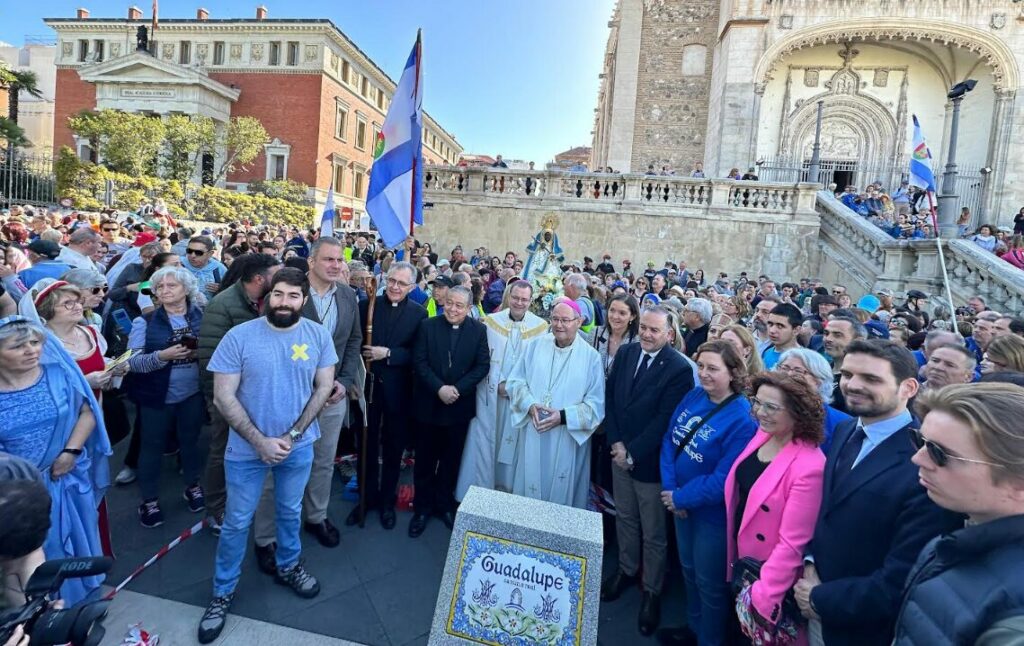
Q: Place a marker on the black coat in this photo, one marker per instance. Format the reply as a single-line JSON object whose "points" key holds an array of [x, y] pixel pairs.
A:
{"points": [[394, 328], [872, 525], [638, 415], [437, 365]]}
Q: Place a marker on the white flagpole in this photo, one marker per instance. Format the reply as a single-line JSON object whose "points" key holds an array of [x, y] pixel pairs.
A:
{"points": [[942, 264]]}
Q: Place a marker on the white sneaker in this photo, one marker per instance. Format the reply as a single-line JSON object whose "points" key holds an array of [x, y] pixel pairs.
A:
{"points": [[125, 476]]}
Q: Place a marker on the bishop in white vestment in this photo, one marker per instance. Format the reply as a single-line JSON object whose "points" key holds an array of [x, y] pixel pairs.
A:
{"points": [[556, 391], [508, 333]]}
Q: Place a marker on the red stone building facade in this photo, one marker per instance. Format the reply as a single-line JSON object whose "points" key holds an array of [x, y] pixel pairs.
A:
{"points": [[321, 99]]}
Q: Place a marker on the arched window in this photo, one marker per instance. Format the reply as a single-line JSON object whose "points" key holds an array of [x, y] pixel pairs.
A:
{"points": [[694, 57]]}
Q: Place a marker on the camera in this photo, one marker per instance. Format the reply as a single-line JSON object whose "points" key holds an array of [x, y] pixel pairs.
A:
{"points": [[46, 625]]}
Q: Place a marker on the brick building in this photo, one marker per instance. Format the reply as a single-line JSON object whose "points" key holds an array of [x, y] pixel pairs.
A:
{"points": [[321, 99]]}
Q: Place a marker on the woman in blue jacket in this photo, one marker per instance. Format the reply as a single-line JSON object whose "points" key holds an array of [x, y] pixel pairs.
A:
{"points": [[706, 434]]}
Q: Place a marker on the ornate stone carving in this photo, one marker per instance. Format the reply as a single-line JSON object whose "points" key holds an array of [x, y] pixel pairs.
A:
{"points": [[66, 49], [235, 52], [115, 50], [256, 52], [785, 21], [811, 77], [202, 52], [845, 81], [881, 78], [335, 61], [992, 52], [167, 51], [311, 52], [998, 21]]}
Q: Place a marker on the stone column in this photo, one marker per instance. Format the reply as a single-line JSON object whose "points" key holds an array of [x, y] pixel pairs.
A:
{"points": [[1000, 143], [624, 86], [732, 113]]}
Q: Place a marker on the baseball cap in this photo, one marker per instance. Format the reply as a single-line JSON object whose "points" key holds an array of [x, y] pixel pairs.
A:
{"points": [[885, 292], [443, 281], [47, 248]]}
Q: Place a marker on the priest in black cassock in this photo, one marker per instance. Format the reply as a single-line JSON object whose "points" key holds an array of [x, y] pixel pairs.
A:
{"points": [[450, 358]]}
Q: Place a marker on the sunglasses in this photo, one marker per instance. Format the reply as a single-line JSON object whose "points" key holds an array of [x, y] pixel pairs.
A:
{"points": [[195, 252], [105, 230], [939, 455], [100, 290]]}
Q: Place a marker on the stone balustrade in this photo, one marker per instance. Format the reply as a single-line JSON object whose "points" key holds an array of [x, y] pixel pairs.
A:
{"points": [[855, 250], [621, 190]]}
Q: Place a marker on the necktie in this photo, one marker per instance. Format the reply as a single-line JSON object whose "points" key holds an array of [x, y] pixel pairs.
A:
{"points": [[644, 365], [850, 451]]}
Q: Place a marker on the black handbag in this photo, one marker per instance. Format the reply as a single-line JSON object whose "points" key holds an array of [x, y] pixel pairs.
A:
{"points": [[747, 570]]}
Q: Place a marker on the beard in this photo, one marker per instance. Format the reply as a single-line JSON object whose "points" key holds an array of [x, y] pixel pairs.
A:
{"points": [[870, 406], [283, 317]]}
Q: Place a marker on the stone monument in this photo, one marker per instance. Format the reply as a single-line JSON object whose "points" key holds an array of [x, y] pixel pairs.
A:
{"points": [[520, 571]]}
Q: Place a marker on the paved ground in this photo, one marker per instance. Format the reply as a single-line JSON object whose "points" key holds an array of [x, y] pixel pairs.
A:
{"points": [[378, 587]]}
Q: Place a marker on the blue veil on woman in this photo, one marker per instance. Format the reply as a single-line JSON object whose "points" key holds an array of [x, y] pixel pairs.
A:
{"points": [[74, 529]]}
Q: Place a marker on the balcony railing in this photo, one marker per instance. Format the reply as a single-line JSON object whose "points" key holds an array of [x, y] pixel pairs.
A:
{"points": [[877, 260], [616, 189]]}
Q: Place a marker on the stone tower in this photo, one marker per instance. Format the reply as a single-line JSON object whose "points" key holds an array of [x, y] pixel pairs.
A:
{"points": [[656, 83]]}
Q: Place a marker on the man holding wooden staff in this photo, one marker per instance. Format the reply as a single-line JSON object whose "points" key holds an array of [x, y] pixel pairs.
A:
{"points": [[389, 384]]}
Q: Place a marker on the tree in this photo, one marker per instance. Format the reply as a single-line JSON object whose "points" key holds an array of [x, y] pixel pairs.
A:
{"points": [[12, 133], [127, 142], [186, 138], [18, 81], [282, 189], [242, 141]]}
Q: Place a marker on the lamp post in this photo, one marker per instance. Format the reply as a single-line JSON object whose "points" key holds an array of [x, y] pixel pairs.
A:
{"points": [[948, 200], [815, 168]]}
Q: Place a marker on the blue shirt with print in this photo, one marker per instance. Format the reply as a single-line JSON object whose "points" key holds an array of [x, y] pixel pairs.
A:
{"points": [[277, 367], [696, 477]]}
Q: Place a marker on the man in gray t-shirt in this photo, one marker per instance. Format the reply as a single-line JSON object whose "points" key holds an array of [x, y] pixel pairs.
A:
{"points": [[272, 375]]}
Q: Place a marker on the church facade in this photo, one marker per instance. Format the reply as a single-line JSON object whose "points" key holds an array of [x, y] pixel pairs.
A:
{"points": [[737, 83]]}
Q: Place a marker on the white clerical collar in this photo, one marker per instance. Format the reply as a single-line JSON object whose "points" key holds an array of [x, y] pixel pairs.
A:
{"points": [[455, 327]]}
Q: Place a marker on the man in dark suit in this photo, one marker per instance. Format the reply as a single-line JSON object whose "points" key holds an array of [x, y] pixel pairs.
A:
{"points": [[333, 304], [875, 516], [389, 384], [450, 358], [647, 381]]}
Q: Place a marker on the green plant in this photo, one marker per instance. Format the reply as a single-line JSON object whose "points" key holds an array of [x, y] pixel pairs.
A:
{"points": [[284, 189]]}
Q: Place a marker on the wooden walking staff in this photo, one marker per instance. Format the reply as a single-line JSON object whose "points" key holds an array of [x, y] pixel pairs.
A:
{"points": [[371, 293]]}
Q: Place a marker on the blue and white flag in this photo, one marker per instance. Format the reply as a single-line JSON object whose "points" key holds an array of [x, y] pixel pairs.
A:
{"points": [[327, 220], [395, 198], [921, 174]]}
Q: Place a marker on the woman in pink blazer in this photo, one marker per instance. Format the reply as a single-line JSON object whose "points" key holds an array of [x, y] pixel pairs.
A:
{"points": [[772, 496]]}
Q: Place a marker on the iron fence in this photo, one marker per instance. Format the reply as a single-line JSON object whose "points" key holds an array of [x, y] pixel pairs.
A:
{"points": [[970, 181], [27, 178]]}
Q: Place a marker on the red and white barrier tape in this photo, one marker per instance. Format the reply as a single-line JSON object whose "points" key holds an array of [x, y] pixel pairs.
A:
{"points": [[188, 533]]}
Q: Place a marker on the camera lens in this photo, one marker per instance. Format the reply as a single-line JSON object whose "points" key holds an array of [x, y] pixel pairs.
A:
{"points": [[78, 626]]}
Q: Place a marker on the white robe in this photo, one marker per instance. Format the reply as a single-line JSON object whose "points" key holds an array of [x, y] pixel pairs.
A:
{"points": [[555, 466], [505, 339]]}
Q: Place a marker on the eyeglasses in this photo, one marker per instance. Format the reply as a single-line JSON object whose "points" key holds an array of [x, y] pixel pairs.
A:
{"points": [[838, 292], [394, 282], [71, 306], [555, 320], [195, 252], [768, 407], [790, 370], [100, 290], [938, 454]]}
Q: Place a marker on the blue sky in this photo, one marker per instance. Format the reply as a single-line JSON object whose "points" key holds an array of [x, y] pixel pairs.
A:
{"points": [[517, 77]]}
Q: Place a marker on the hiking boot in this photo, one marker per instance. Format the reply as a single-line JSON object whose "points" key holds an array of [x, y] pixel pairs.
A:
{"points": [[150, 514], [214, 618], [301, 582]]}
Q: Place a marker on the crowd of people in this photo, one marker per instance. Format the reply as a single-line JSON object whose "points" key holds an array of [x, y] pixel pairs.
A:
{"points": [[831, 470], [905, 213]]}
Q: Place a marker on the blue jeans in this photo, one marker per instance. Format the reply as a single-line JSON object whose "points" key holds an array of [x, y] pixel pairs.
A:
{"points": [[244, 480], [702, 553]]}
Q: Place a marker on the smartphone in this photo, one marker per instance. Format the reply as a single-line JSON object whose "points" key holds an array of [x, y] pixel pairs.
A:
{"points": [[190, 341], [123, 321]]}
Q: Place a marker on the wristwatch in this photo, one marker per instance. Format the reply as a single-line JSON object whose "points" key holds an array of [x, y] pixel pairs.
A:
{"points": [[294, 435]]}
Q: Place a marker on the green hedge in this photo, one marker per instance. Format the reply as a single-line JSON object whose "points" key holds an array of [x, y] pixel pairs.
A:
{"points": [[85, 183]]}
